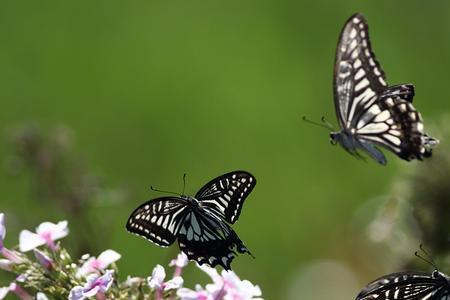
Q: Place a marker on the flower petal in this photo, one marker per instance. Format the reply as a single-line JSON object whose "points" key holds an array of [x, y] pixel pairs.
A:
{"points": [[41, 296], [6, 264], [3, 292], [157, 278], [56, 231], [2, 229], [76, 293], [107, 257], [29, 241], [43, 259], [212, 273], [86, 268], [174, 283], [181, 261]]}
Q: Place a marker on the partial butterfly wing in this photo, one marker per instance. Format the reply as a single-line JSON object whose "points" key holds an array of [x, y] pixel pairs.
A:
{"points": [[396, 125], [358, 77], [205, 238], [158, 220], [225, 194], [406, 286]]}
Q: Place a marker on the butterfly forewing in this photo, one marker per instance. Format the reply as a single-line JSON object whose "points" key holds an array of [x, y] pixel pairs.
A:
{"points": [[358, 75], [225, 194], [205, 238], [158, 220], [406, 286]]}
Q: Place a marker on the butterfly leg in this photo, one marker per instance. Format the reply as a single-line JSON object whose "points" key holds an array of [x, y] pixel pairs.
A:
{"points": [[373, 152]]}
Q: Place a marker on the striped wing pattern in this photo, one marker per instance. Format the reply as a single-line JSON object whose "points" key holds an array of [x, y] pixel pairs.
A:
{"points": [[199, 223], [158, 220], [407, 286], [205, 238], [225, 195], [359, 78], [367, 107]]}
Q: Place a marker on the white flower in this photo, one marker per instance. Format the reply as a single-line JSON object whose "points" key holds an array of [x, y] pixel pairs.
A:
{"points": [[230, 285], [198, 294], [102, 262], [46, 233], [156, 281], [41, 296], [2, 229], [3, 292], [95, 285], [180, 262]]}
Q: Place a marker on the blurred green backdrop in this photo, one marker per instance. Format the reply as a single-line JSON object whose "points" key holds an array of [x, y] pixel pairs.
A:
{"points": [[152, 89]]}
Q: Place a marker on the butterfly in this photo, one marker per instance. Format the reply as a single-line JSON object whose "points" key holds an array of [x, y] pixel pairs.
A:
{"points": [[371, 113], [409, 285], [199, 223]]}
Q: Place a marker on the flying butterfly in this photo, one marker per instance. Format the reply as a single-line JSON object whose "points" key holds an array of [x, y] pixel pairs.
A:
{"points": [[200, 224], [409, 286], [371, 113]]}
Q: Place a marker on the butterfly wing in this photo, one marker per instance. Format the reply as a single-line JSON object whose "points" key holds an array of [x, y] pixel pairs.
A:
{"points": [[405, 286], [358, 77], [205, 238], [370, 110], [396, 125], [158, 220], [225, 194]]}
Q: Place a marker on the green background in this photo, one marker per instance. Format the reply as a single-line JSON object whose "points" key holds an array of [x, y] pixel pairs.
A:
{"points": [[154, 89]]}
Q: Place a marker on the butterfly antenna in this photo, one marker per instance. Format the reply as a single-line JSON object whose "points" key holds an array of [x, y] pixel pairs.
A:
{"points": [[325, 125], [328, 124], [430, 259], [161, 191], [184, 183]]}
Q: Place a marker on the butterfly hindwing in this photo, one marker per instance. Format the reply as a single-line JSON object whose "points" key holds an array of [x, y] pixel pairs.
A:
{"points": [[225, 195], [406, 286], [158, 220], [205, 238]]}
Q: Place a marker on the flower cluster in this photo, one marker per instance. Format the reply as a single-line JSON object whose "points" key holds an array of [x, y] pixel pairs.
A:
{"points": [[50, 273]]}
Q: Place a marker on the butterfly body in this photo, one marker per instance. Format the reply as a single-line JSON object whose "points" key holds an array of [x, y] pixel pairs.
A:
{"points": [[408, 286], [371, 113], [200, 222]]}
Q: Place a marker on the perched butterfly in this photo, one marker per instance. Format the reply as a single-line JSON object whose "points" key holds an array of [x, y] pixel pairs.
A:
{"points": [[409, 286], [371, 113], [198, 223]]}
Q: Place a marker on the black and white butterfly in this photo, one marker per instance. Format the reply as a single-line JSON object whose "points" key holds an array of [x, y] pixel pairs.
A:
{"points": [[371, 113], [199, 223], [409, 285]]}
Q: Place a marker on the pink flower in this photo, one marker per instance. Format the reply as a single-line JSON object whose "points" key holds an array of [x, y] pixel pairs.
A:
{"points": [[198, 294], [46, 234], [16, 289], [43, 259], [95, 264], [180, 262], [229, 286], [156, 281], [95, 286], [10, 255]]}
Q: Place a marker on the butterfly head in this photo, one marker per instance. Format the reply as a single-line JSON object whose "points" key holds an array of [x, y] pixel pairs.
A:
{"points": [[345, 138]]}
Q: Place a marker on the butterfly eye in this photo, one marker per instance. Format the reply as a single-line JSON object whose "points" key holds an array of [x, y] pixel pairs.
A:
{"points": [[435, 274], [333, 139]]}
